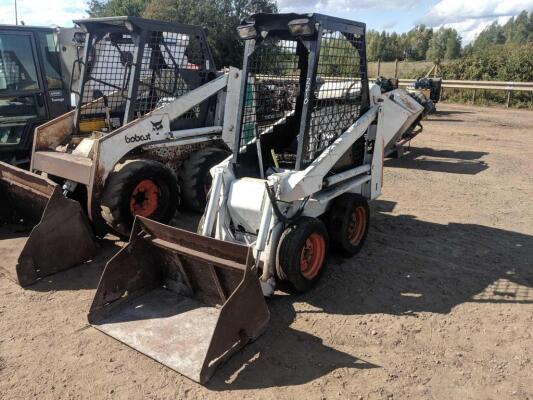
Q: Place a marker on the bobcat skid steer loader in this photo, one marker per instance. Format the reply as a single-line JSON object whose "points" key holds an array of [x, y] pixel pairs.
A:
{"points": [[143, 137], [309, 137]]}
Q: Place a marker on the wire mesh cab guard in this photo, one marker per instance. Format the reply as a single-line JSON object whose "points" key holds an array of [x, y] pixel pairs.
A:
{"points": [[134, 65], [305, 83]]}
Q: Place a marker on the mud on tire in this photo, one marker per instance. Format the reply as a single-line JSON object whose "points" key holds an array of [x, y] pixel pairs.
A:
{"points": [[195, 179], [139, 187]]}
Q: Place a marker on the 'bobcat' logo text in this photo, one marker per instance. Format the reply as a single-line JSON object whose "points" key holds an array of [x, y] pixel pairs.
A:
{"points": [[138, 138]]}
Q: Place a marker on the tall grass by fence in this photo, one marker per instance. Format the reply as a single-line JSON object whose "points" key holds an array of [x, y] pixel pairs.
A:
{"points": [[405, 69], [485, 97]]}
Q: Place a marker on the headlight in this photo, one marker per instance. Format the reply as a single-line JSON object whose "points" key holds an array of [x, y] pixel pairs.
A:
{"points": [[79, 37], [301, 27], [247, 32]]}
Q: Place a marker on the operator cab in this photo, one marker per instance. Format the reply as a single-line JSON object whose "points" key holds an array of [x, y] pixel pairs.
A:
{"points": [[136, 65], [32, 88], [305, 82]]}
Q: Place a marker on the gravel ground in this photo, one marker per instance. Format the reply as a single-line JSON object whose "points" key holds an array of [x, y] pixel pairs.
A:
{"points": [[438, 305]]}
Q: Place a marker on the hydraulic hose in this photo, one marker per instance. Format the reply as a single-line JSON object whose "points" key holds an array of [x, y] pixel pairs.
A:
{"points": [[277, 211]]}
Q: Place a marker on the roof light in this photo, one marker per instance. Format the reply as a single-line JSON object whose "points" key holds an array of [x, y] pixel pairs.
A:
{"points": [[247, 32], [79, 37], [301, 27]]}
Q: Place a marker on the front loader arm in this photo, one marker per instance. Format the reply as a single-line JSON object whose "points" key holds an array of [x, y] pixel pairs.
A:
{"points": [[187, 101], [112, 147], [304, 183]]}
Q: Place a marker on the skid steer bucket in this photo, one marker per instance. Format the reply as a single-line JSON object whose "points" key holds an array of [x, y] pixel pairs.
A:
{"points": [[41, 231], [185, 300]]}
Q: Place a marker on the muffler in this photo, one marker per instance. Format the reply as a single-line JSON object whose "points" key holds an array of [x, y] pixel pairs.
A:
{"points": [[42, 232], [185, 300]]}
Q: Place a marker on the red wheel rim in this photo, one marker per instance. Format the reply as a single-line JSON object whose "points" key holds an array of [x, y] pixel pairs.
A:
{"points": [[312, 255], [144, 199], [357, 225]]}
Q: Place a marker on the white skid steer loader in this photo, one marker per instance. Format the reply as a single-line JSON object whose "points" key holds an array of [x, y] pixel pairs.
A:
{"points": [[309, 138], [144, 135]]}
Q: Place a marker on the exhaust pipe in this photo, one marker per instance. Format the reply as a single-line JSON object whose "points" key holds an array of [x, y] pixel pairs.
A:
{"points": [[185, 300], [44, 231]]}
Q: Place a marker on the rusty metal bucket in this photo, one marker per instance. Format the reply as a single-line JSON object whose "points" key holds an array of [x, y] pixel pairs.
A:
{"points": [[185, 300], [41, 231]]}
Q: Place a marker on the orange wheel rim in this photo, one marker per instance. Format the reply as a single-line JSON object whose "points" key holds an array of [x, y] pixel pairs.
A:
{"points": [[144, 199], [312, 255], [357, 225]]}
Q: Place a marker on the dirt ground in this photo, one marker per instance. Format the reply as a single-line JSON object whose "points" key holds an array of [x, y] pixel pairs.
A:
{"points": [[439, 304]]}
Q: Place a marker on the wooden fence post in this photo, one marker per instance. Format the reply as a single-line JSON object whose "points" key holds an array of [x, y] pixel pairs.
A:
{"points": [[396, 68], [508, 99], [379, 68], [474, 97]]}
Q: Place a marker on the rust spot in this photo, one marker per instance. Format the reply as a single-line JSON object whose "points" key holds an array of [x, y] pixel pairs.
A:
{"points": [[55, 132], [174, 156], [94, 194]]}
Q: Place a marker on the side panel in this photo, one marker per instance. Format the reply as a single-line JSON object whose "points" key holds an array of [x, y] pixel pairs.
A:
{"points": [[379, 155], [111, 148]]}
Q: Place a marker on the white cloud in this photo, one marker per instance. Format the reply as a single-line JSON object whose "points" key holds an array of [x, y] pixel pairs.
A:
{"points": [[470, 17], [43, 12], [343, 5], [388, 25], [470, 28]]}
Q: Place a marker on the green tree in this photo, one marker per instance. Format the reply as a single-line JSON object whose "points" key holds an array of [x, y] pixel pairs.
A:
{"points": [[517, 30], [412, 45], [520, 29], [219, 17], [530, 35], [372, 43], [491, 35], [437, 46], [445, 44], [509, 62], [102, 8], [453, 45], [417, 42]]}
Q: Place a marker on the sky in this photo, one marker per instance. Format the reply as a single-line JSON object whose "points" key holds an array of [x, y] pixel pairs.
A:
{"points": [[469, 17]]}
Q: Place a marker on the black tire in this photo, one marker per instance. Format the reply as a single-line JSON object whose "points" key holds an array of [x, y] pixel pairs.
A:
{"points": [[429, 106], [294, 247], [139, 187], [348, 221], [432, 109], [195, 179]]}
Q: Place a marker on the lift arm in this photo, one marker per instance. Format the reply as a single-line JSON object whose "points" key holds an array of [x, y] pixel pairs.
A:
{"points": [[304, 183]]}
